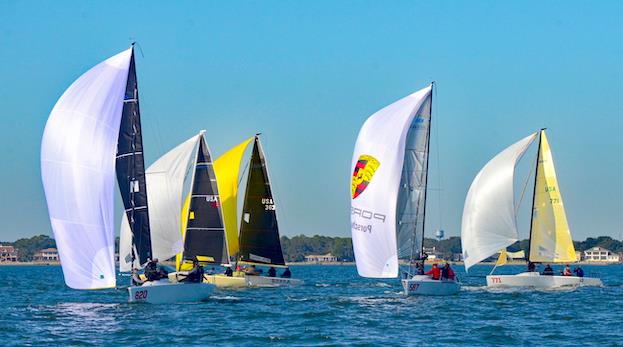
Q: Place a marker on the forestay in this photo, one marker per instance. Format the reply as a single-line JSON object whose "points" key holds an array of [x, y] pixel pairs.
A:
{"points": [[489, 222], [550, 238], [165, 185], [78, 172], [378, 165]]}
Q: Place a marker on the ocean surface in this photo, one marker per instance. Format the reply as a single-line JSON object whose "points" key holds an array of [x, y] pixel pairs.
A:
{"points": [[334, 307]]}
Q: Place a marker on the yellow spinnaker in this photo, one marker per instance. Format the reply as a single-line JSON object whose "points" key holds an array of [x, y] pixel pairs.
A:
{"points": [[227, 170], [178, 257], [550, 240]]}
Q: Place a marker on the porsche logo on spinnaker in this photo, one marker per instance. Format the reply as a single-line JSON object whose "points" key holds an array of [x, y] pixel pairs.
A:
{"points": [[362, 175]]}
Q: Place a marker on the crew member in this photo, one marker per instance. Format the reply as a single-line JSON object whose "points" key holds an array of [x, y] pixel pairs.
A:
{"points": [[548, 271], [567, 271], [272, 272], [578, 271], [153, 272], [286, 273], [228, 271], [434, 273], [531, 267], [196, 274], [447, 273], [136, 279]]}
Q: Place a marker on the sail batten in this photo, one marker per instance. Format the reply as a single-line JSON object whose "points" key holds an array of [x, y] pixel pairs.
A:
{"points": [[259, 232], [377, 211], [78, 151]]}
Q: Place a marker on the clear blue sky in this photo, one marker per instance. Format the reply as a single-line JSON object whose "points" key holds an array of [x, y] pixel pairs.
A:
{"points": [[308, 74]]}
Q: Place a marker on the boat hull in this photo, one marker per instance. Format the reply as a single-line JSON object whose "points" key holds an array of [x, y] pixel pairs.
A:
{"points": [[263, 281], [536, 280], [424, 285], [223, 281], [165, 292]]}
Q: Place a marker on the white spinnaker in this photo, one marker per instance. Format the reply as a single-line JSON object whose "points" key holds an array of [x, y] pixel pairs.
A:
{"points": [[78, 172], [489, 220], [165, 185], [373, 211]]}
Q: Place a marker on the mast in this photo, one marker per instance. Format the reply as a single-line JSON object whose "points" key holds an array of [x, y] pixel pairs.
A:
{"points": [[259, 231], [536, 168], [130, 167]]}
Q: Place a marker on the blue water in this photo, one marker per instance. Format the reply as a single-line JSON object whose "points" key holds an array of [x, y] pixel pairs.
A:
{"points": [[334, 307]]}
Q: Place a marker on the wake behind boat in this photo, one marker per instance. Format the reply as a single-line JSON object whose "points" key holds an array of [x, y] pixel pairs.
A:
{"points": [[93, 131], [388, 195], [489, 220]]}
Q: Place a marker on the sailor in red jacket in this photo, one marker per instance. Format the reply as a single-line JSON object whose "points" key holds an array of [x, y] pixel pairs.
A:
{"points": [[435, 273]]}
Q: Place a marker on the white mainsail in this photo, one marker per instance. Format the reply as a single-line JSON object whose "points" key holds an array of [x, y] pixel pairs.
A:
{"points": [[165, 184], [78, 172], [489, 222], [412, 191], [378, 164]]}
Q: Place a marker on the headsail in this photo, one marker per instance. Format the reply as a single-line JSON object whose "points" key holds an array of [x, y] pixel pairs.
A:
{"points": [[165, 184], [378, 164], [259, 232], [227, 169], [77, 168], [489, 222], [550, 238], [205, 235], [412, 192], [130, 166]]}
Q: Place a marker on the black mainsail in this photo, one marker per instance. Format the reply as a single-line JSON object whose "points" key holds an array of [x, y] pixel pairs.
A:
{"points": [[259, 233], [205, 234], [130, 167]]}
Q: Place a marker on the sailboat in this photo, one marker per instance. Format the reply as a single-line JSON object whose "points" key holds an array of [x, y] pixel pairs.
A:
{"points": [[258, 242], [490, 218], [388, 193], [93, 131]]}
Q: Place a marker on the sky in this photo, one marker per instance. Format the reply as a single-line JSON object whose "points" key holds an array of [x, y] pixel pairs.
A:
{"points": [[307, 75]]}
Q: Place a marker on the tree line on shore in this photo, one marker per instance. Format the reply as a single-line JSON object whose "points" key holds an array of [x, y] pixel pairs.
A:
{"points": [[297, 247]]}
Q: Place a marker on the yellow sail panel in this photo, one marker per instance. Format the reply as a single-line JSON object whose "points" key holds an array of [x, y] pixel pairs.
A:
{"points": [[178, 257], [550, 240], [502, 258], [227, 169]]}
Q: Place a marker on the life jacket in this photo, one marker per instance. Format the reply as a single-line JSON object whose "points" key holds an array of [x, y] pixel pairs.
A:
{"points": [[435, 273]]}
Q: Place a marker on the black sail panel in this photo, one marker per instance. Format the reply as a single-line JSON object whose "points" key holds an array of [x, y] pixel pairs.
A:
{"points": [[130, 167], [205, 234], [259, 233]]}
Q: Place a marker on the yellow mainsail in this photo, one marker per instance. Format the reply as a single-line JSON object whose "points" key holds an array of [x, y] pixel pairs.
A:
{"points": [[550, 238], [227, 169]]}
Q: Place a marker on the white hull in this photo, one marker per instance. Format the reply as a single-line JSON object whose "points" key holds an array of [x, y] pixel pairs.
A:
{"points": [[536, 280], [165, 292], [263, 281], [424, 285]]}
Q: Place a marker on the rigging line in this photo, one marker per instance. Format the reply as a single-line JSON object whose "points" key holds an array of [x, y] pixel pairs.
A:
{"points": [[523, 191]]}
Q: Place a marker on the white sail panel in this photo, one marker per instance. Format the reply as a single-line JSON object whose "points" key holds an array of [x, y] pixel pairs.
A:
{"points": [[412, 191], [377, 167], [165, 184], [78, 172], [489, 222]]}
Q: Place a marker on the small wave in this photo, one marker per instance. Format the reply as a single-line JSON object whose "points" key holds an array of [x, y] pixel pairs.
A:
{"points": [[225, 298], [323, 285], [382, 284]]}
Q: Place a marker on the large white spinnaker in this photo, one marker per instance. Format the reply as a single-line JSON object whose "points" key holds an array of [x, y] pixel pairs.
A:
{"points": [[165, 185], [377, 167], [489, 220], [78, 172]]}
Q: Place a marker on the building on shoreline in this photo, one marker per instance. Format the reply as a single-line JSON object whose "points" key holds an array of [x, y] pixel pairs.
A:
{"points": [[600, 254], [327, 258], [46, 255], [8, 254]]}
